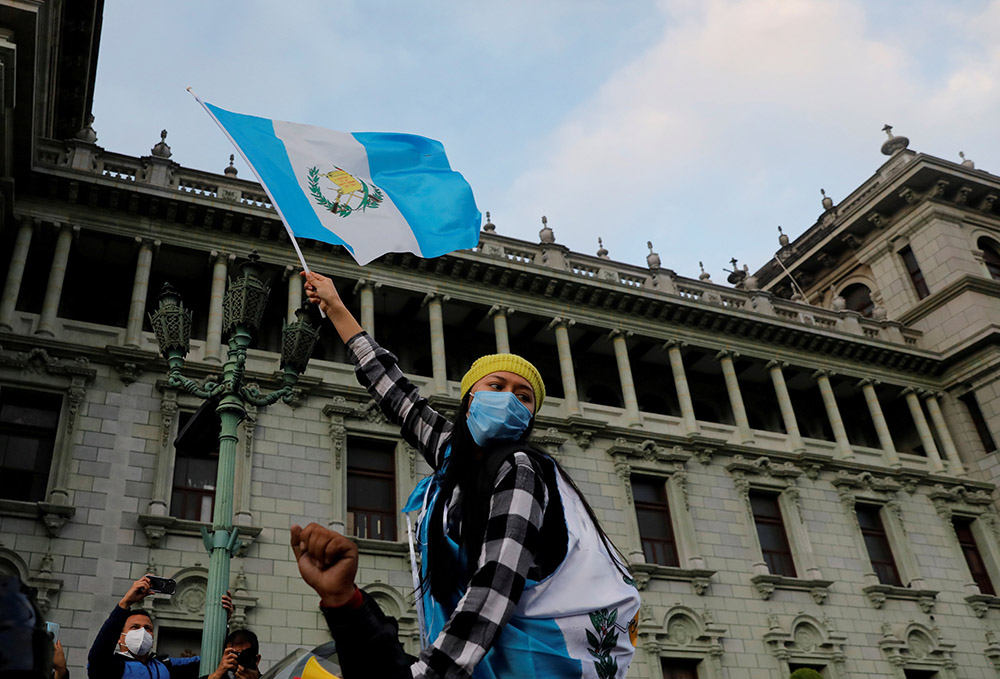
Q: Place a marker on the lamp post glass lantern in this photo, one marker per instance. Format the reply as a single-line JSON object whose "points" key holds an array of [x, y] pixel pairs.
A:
{"points": [[243, 310]]}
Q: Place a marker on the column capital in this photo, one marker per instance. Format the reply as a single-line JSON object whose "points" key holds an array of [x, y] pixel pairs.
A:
{"points": [[868, 382], [910, 390], [774, 363], [674, 344], [432, 297], [366, 283], [931, 394], [619, 332], [823, 372], [216, 255], [559, 321], [151, 243], [727, 353], [502, 310], [26, 221]]}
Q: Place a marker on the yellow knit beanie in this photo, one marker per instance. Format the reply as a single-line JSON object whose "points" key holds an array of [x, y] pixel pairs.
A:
{"points": [[510, 363]]}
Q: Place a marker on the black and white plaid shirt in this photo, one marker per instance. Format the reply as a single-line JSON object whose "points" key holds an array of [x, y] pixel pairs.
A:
{"points": [[512, 529]]}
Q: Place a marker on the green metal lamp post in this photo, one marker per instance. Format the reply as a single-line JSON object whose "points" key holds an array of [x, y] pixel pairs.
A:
{"points": [[243, 307]]}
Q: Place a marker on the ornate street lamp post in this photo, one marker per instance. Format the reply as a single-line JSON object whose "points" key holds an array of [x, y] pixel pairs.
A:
{"points": [[243, 307]]}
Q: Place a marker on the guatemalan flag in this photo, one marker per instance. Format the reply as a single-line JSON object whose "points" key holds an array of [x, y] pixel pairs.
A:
{"points": [[372, 192]]}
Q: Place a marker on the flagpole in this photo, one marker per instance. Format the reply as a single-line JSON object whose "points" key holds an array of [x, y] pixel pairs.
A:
{"points": [[274, 203]]}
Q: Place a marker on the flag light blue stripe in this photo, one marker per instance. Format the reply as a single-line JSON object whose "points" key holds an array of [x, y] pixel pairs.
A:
{"points": [[267, 155], [435, 200]]}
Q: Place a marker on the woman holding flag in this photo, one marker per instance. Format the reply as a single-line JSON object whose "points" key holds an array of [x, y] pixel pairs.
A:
{"points": [[517, 578]]}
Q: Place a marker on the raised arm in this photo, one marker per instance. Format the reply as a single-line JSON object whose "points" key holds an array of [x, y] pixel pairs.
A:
{"points": [[378, 371]]}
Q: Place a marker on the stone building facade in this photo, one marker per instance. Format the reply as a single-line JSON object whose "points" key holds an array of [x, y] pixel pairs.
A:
{"points": [[800, 465]]}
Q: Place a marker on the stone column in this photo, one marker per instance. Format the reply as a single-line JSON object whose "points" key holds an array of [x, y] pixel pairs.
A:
{"points": [[140, 290], [632, 417], [878, 419], [57, 274], [786, 406], [561, 327], [18, 259], [822, 378], [689, 421], [367, 289], [213, 336], [944, 435], [438, 357], [924, 431], [500, 314], [294, 291], [725, 359]]}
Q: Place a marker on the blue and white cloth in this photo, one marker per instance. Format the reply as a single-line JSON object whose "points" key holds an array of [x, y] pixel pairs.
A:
{"points": [[371, 192]]}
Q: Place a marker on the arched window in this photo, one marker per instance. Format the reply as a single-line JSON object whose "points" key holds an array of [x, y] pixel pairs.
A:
{"points": [[858, 297], [991, 255]]}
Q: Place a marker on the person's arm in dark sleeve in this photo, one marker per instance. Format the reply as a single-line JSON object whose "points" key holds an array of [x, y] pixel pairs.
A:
{"points": [[101, 660], [367, 642]]}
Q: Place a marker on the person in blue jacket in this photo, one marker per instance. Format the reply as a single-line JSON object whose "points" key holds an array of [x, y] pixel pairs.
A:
{"points": [[123, 646]]}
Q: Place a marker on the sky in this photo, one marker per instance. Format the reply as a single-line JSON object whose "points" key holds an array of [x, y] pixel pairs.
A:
{"points": [[699, 125]]}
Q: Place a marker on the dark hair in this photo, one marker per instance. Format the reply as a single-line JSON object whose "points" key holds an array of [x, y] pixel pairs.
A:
{"points": [[243, 636], [462, 471], [138, 611]]}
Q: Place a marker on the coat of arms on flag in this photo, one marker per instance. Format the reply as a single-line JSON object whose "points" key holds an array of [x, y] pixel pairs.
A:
{"points": [[372, 192], [348, 187]]}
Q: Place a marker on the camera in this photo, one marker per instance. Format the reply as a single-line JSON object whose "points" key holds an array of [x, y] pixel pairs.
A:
{"points": [[158, 585]]}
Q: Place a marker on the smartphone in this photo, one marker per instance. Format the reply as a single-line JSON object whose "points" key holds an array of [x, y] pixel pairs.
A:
{"points": [[158, 585], [53, 629]]}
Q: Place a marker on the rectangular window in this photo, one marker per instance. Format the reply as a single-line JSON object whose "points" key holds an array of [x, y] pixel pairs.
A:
{"points": [[801, 666], [656, 530], [967, 541], [774, 545], [877, 542], [972, 404], [920, 674], [679, 669], [371, 489], [196, 465], [28, 423], [916, 275]]}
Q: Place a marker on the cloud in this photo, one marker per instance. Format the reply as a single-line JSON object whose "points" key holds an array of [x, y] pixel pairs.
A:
{"points": [[739, 101]]}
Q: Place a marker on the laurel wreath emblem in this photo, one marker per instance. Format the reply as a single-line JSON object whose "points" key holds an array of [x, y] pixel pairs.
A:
{"points": [[372, 196], [602, 641]]}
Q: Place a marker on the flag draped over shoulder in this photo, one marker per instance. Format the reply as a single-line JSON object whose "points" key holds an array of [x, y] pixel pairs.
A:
{"points": [[371, 192]]}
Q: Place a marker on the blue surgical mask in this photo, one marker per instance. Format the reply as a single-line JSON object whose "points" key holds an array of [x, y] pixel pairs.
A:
{"points": [[497, 416]]}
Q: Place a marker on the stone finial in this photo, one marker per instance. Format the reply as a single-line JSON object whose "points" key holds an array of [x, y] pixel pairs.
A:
{"points": [[652, 259], [231, 171], [545, 234], [87, 132], [161, 150], [783, 239], [749, 280], [827, 201], [704, 275], [737, 275], [893, 144], [602, 252], [489, 226], [966, 162]]}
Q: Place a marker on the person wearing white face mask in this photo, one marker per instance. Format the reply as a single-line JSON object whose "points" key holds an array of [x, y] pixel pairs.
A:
{"points": [[123, 646]]}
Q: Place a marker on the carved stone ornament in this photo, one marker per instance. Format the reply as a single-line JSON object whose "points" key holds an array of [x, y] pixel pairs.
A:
{"points": [[370, 412], [865, 481], [764, 466], [805, 640], [683, 630], [551, 439], [914, 642], [648, 451]]}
